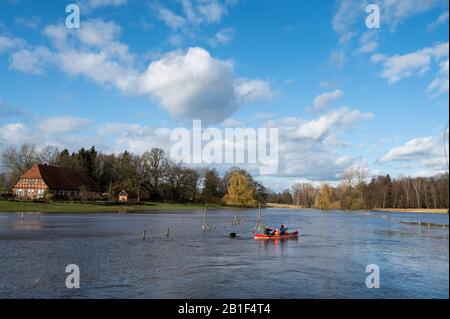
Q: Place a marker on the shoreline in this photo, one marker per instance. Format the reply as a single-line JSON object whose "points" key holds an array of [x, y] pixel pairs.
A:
{"points": [[412, 210], [384, 210], [82, 208], [155, 207]]}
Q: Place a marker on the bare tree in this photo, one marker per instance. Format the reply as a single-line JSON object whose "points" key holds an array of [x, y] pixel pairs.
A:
{"points": [[361, 174], [417, 185], [406, 184], [49, 155], [155, 163]]}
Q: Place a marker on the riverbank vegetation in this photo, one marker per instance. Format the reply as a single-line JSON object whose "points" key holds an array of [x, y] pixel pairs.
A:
{"points": [[380, 192], [154, 177]]}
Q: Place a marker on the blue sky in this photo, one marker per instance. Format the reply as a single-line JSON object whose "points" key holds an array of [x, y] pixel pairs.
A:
{"points": [[341, 94]]}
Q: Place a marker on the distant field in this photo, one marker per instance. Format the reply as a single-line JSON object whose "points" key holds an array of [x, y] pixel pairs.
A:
{"points": [[63, 207]]}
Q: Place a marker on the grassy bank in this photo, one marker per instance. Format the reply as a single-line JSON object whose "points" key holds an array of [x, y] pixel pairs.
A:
{"points": [[73, 207]]}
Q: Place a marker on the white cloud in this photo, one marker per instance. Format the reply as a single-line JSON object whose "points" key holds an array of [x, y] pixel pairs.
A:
{"points": [[442, 19], [9, 43], [18, 133], [253, 90], [176, 40], [377, 57], [191, 85], [441, 83], [337, 59], [314, 158], [187, 19], [349, 21], [31, 22], [345, 16], [13, 133], [349, 15], [194, 85], [211, 11], [310, 149], [7, 111], [98, 33], [394, 12], [425, 155], [95, 66], [413, 150], [203, 11], [397, 67], [92, 51], [135, 138], [32, 61], [57, 34], [400, 66], [222, 37], [329, 124], [323, 100], [232, 123], [94, 4], [171, 19], [368, 42], [187, 84], [193, 13], [63, 124]]}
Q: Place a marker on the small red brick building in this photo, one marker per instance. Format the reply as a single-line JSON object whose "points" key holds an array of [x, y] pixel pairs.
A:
{"points": [[61, 182], [127, 196]]}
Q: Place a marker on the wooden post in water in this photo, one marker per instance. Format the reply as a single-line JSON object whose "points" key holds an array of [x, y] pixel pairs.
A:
{"points": [[143, 234], [259, 211], [168, 232], [205, 220]]}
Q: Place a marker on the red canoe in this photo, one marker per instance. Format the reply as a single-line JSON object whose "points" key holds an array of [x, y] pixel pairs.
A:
{"points": [[285, 236]]}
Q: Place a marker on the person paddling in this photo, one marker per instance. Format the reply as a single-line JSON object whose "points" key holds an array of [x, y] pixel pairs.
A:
{"points": [[267, 230], [283, 229]]}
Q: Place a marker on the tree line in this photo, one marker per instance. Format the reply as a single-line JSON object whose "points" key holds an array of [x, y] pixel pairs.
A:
{"points": [[356, 192], [152, 176]]}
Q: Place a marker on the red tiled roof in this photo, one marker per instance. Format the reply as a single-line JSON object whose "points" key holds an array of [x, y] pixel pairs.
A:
{"points": [[62, 178]]}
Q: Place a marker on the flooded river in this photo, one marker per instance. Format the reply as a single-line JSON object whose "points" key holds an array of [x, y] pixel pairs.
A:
{"points": [[328, 260]]}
